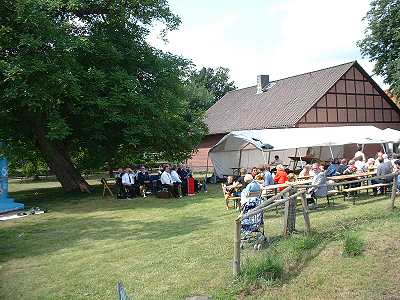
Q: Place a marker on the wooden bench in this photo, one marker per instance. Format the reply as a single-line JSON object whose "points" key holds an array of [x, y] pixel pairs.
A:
{"points": [[363, 187], [228, 197]]}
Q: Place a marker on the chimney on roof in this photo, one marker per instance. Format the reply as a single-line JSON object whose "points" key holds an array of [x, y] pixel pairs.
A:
{"points": [[262, 83]]}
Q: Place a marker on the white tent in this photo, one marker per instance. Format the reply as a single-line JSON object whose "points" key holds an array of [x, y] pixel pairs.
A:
{"points": [[248, 148]]}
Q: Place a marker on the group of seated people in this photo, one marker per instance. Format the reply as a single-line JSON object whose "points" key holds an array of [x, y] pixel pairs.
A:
{"points": [[140, 182], [259, 178]]}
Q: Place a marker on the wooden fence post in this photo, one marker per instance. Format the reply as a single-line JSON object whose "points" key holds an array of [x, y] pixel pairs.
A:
{"points": [[394, 190], [305, 213], [289, 223], [236, 248]]}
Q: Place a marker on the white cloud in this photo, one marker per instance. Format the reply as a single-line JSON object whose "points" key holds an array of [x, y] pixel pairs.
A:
{"points": [[281, 39]]}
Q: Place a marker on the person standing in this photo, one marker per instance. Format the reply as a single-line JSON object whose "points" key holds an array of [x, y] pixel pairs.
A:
{"points": [[360, 153]]}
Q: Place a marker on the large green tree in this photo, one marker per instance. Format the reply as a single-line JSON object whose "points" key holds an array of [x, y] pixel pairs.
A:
{"points": [[216, 81], [79, 81], [382, 40]]}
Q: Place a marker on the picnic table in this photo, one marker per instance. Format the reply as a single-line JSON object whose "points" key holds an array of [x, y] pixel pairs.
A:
{"points": [[286, 184], [351, 176]]}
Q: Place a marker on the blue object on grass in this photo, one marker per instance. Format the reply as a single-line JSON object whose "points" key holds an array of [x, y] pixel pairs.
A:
{"points": [[6, 204]]}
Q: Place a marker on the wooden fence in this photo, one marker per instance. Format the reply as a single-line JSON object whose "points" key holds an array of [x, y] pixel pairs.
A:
{"points": [[288, 197]]}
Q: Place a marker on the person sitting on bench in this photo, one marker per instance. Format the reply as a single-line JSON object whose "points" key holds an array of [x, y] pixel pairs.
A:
{"points": [[252, 186], [128, 181], [176, 181], [166, 181], [318, 191], [384, 168], [143, 179]]}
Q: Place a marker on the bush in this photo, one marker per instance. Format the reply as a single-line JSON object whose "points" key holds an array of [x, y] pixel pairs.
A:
{"points": [[268, 267], [304, 243], [353, 245]]}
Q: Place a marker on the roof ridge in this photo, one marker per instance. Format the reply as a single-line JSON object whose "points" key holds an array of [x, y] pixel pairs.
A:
{"points": [[322, 69]]}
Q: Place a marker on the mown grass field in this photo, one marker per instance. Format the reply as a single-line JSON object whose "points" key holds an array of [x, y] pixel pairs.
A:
{"points": [[170, 249]]}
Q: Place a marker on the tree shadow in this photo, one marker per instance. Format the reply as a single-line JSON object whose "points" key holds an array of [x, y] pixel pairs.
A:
{"points": [[56, 199], [50, 235]]}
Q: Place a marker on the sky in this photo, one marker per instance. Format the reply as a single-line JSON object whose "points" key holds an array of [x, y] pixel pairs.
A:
{"points": [[279, 38]]}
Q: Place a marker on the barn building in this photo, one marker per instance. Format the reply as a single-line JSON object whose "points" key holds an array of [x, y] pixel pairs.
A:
{"points": [[337, 96]]}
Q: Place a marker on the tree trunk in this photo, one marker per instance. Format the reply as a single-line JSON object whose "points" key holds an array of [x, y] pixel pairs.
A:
{"points": [[60, 164]]}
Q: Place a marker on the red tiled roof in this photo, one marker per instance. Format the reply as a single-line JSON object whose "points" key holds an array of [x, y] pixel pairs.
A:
{"points": [[281, 105]]}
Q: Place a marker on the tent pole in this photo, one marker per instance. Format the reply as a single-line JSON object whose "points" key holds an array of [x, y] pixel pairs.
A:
{"points": [[330, 148], [205, 181], [269, 157], [383, 146], [295, 162], [265, 161], [240, 160]]}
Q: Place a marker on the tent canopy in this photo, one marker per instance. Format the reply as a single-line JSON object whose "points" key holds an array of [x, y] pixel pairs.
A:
{"points": [[252, 146]]}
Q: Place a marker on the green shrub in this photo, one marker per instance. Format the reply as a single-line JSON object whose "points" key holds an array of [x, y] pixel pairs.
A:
{"points": [[353, 245], [304, 243], [268, 267]]}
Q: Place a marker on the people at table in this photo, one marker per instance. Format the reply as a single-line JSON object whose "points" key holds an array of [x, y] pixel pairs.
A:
{"points": [[384, 168], [342, 166], [370, 165], [277, 161], [254, 172], [281, 176], [360, 153], [378, 157], [252, 186], [332, 170], [359, 164], [231, 189], [268, 178], [318, 179], [351, 168], [306, 172]]}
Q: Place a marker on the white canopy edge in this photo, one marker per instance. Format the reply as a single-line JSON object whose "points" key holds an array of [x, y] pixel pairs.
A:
{"points": [[227, 153]]}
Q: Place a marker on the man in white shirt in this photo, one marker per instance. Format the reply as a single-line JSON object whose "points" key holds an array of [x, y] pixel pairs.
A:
{"points": [[166, 181], [128, 182], [176, 180]]}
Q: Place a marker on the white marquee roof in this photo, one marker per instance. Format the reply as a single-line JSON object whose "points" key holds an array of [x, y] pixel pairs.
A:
{"points": [[229, 147]]}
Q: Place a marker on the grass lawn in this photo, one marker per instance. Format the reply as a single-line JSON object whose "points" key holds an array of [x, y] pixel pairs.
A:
{"points": [[170, 249]]}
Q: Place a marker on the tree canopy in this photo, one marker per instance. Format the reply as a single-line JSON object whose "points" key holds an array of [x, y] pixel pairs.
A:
{"points": [[382, 40], [216, 81], [78, 81]]}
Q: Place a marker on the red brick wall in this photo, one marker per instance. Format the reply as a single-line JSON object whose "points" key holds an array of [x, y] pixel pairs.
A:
{"points": [[199, 158]]}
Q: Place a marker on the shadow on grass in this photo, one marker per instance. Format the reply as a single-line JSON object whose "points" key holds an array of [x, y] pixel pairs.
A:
{"points": [[27, 239], [57, 200]]}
